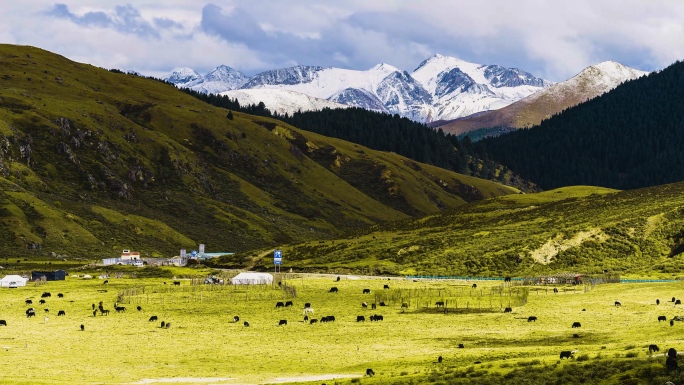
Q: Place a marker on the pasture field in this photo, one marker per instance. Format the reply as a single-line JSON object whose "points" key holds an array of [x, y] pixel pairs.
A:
{"points": [[204, 345]]}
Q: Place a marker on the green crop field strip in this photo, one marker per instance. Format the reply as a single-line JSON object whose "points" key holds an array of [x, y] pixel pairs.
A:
{"points": [[203, 341]]}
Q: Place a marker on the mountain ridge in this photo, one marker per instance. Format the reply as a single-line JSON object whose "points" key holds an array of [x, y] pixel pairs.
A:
{"points": [[386, 88]]}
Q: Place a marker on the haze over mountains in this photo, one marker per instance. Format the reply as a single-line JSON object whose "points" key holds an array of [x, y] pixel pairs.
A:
{"points": [[441, 88]]}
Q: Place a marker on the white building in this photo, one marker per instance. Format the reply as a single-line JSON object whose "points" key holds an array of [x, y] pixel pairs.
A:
{"points": [[251, 278], [128, 255], [13, 281], [127, 258]]}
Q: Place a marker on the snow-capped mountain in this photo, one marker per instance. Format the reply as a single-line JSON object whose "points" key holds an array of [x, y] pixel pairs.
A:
{"points": [[401, 94], [382, 88], [182, 76], [220, 79], [460, 88], [593, 81], [321, 82], [286, 77], [282, 101], [441, 88], [357, 97]]}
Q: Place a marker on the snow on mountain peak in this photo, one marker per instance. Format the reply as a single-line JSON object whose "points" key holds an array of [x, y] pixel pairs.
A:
{"points": [[591, 82], [385, 68], [225, 74], [442, 87], [615, 69], [284, 76], [608, 75], [221, 78], [442, 63], [182, 76], [282, 101]]}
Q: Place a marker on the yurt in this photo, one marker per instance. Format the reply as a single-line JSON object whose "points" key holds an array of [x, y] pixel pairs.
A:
{"points": [[250, 278], [13, 281]]}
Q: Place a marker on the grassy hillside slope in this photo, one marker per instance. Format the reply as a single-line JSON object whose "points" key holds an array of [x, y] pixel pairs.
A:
{"points": [[573, 229], [93, 161]]}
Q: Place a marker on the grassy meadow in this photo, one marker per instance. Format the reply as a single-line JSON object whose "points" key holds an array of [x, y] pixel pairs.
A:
{"points": [[203, 342]]}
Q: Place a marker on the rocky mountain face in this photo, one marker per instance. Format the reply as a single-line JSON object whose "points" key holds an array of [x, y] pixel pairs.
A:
{"points": [[511, 77], [461, 88], [182, 76], [441, 88], [284, 77], [591, 82], [403, 95], [221, 78], [356, 97]]}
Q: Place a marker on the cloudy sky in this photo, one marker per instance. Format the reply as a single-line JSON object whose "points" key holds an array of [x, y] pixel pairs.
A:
{"points": [[553, 39]]}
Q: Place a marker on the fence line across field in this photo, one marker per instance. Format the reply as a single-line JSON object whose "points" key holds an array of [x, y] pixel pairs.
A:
{"points": [[512, 291], [455, 299], [169, 294]]}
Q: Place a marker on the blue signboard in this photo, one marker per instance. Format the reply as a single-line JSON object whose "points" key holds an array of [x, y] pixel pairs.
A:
{"points": [[193, 253], [278, 257]]}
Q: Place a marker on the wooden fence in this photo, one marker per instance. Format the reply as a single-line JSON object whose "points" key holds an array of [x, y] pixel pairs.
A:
{"points": [[454, 299], [195, 292]]}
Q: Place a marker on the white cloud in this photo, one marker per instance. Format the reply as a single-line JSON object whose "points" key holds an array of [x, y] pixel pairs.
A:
{"points": [[553, 39]]}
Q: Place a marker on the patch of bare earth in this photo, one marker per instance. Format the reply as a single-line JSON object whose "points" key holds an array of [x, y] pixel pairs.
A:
{"points": [[552, 247]]}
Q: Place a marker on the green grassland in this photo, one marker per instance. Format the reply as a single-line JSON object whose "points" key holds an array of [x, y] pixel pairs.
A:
{"points": [[204, 342], [573, 229]]}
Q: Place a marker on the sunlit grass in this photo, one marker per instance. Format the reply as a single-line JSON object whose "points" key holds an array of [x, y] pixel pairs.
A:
{"points": [[203, 341]]}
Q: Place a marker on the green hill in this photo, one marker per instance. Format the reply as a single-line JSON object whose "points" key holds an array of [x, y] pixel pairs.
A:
{"points": [[93, 161], [573, 229]]}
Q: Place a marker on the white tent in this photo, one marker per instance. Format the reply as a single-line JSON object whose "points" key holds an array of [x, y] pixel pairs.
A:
{"points": [[248, 278], [13, 281]]}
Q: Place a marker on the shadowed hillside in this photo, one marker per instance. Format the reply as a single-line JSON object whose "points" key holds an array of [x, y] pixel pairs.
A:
{"points": [[93, 161]]}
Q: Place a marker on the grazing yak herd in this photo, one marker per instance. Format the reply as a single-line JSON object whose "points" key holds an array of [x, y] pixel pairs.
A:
{"points": [[308, 314], [31, 311], [671, 362], [672, 353], [566, 354], [99, 310]]}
